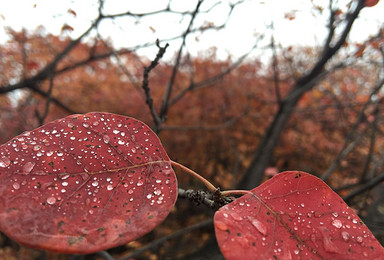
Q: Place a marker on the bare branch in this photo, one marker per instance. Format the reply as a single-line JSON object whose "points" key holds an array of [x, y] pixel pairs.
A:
{"points": [[41, 118], [369, 185], [164, 105], [155, 244], [349, 142], [157, 120]]}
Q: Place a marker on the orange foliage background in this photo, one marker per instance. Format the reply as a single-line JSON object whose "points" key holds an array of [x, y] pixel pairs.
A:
{"points": [[214, 129]]}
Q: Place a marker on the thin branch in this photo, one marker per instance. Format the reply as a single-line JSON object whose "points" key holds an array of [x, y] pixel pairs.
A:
{"points": [[145, 85], [349, 141], [275, 66], [213, 79], [372, 144], [105, 255], [226, 124], [369, 185], [205, 198], [167, 94], [41, 118], [155, 244]]}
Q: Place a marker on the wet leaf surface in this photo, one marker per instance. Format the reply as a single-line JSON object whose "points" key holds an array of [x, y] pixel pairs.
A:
{"points": [[84, 183], [294, 215]]}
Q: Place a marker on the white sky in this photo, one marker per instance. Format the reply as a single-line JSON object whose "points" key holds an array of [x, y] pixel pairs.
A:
{"points": [[249, 19]]}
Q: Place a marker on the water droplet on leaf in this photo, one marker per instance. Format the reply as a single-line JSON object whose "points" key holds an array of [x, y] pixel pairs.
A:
{"points": [[337, 223], [51, 200], [345, 235], [106, 139], [27, 168], [221, 225], [4, 161], [259, 226], [16, 186]]}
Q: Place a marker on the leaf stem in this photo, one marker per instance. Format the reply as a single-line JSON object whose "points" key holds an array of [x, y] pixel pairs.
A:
{"points": [[209, 185], [233, 192]]}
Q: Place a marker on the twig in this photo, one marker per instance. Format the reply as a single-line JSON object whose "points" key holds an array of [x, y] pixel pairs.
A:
{"points": [[167, 94], [145, 85], [226, 124], [105, 255], [369, 185], [209, 81], [350, 142], [41, 118], [275, 65], [155, 244]]}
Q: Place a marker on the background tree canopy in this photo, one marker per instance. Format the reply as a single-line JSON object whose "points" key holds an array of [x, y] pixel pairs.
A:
{"points": [[236, 120]]}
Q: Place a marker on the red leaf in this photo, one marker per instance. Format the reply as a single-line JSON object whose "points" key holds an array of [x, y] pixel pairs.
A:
{"points": [[66, 27], [72, 12], [370, 3], [84, 183], [294, 215]]}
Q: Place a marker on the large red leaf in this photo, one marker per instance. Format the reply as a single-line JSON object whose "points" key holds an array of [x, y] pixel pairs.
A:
{"points": [[84, 183], [294, 215]]}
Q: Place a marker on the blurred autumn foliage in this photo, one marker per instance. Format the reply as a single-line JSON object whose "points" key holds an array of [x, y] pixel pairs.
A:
{"points": [[218, 112]]}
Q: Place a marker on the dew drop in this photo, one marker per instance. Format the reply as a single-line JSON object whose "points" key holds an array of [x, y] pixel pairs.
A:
{"points": [[221, 225], [90, 211], [337, 223], [157, 192], [116, 131], [16, 186], [140, 182], [72, 138], [96, 123], [51, 200], [106, 139], [259, 226], [64, 183], [27, 168], [4, 161], [133, 150], [130, 191], [109, 187], [95, 183], [64, 177], [359, 239], [49, 153], [149, 196], [36, 147], [59, 153], [85, 125], [121, 142], [345, 235]]}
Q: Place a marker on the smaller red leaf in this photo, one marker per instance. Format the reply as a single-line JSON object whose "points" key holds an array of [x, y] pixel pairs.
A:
{"points": [[294, 215]]}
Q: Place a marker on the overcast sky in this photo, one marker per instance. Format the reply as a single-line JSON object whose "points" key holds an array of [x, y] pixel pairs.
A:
{"points": [[249, 19]]}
